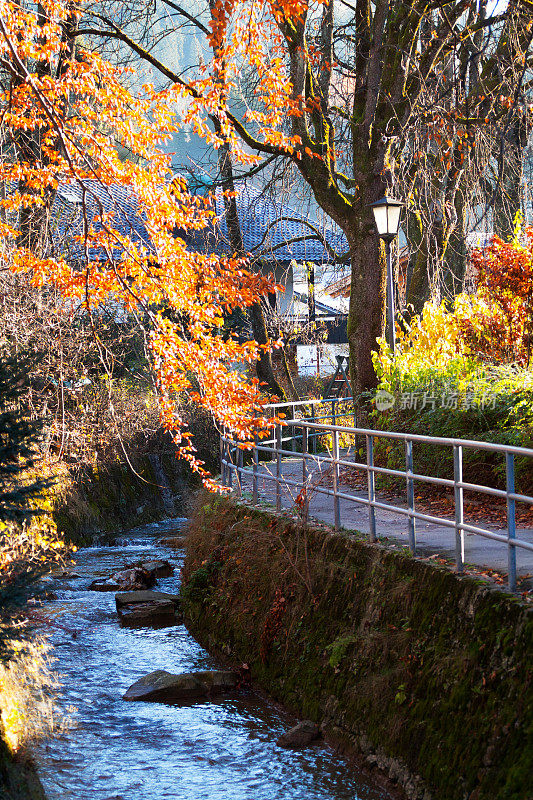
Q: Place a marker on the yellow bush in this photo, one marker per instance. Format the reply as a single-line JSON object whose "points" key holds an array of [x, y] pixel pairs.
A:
{"points": [[435, 339], [37, 542]]}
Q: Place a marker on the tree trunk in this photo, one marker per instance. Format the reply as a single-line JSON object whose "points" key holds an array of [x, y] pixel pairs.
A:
{"points": [[264, 368], [418, 291], [437, 239], [366, 315], [416, 278], [432, 276], [456, 255], [34, 220], [288, 376]]}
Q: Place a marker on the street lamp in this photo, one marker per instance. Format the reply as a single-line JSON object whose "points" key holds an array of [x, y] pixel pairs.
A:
{"points": [[387, 219]]}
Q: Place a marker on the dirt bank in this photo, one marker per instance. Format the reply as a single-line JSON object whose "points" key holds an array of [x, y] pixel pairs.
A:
{"points": [[115, 496], [18, 777]]}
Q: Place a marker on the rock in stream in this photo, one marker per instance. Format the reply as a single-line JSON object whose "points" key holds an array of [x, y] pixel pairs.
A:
{"points": [[126, 579], [300, 736], [148, 609], [164, 687]]}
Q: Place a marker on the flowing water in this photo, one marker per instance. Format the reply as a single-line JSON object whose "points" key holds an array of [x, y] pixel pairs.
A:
{"points": [[152, 751]]}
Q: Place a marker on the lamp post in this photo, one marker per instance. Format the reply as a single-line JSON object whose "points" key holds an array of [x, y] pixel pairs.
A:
{"points": [[387, 219]]}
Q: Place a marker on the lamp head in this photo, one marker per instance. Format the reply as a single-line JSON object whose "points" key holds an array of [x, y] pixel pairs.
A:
{"points": [[387, 217]]}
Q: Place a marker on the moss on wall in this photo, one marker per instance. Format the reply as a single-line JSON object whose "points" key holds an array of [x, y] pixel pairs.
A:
{"points": [[119, 495], [425, 674]]}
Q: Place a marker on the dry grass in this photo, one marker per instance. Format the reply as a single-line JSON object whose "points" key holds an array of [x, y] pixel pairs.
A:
{"points": [[28, 711], [28, 687], [262, 549]]}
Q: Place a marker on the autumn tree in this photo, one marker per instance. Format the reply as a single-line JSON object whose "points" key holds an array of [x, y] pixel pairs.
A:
{"points": [[503, 329], [264, 368], [468, 171], [23, 143], [508, 180], [335, 88], [81, 114]]}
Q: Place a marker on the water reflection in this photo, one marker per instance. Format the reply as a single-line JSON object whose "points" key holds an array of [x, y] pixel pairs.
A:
{"points": [[149, 751]]}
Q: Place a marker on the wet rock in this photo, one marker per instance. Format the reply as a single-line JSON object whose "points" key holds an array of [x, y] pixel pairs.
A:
{"points": [[173, 541], [145, 596], [157, 614], [128, 579], [104, 585], [136, 578], [161, 569], [158, 568], [300, 736], [163, 687], [148, 609]]}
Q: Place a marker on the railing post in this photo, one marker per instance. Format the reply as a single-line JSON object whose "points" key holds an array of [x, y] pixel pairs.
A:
{"points": [[313, 433], [229, 460], [255, 494], [459, 509], [356, 440], [371, 486], [305, 441], [293, 429], [238, 474], [278, 467], [511, 520], [334, 413], [336, 500], [222, 447], [411, 529]]}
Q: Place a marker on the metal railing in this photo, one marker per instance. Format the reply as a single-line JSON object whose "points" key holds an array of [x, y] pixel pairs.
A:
{"points": [[308, 422]]}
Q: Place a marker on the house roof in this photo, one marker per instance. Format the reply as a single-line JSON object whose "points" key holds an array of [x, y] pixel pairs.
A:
{"points": [[68, 217], [272, 231]]}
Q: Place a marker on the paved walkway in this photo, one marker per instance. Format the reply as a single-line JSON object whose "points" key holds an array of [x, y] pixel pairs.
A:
{"points": [[431, 539]]}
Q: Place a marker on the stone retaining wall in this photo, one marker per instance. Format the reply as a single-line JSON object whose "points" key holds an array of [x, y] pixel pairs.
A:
{"points": [[425, 675]]}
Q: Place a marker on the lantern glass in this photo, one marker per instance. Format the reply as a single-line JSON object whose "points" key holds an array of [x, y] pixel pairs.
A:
{"points": [[380, 216], [393, 219], [387, 217]]}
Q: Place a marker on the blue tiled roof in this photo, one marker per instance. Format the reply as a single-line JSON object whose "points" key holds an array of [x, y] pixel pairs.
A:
{"points": [[268, 227], [68, 221]]}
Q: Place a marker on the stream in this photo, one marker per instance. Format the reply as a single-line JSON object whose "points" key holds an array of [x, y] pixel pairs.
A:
{"points": [[117, 750]]}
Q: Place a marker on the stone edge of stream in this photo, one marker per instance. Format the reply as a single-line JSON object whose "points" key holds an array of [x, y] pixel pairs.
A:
{"points": [[418, 673]]}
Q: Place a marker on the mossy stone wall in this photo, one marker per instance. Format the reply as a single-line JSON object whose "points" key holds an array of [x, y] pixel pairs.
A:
{"points": [[425, 674], [118, 495]]}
